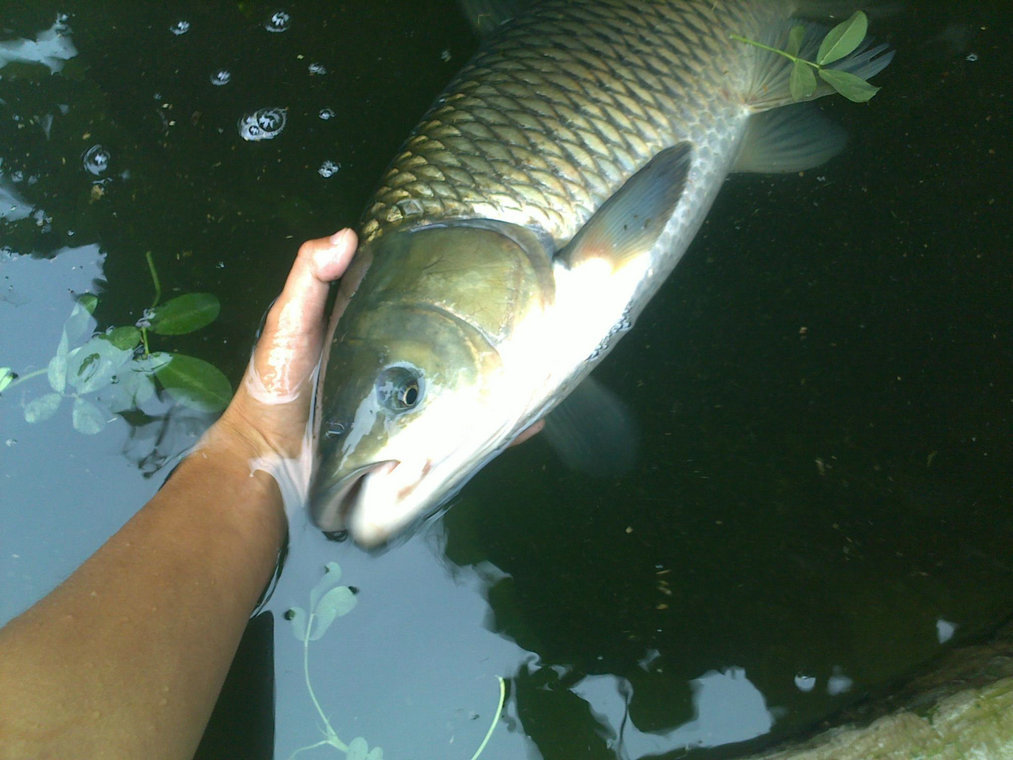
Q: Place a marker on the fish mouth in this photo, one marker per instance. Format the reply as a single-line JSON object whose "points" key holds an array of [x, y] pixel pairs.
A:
{"points": [[333, 508]]}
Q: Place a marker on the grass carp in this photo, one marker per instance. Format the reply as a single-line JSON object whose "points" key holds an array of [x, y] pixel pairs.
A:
{"points": [[529, 218]]}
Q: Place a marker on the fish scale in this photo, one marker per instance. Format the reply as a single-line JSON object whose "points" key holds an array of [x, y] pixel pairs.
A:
{"points": [[557, 112]]}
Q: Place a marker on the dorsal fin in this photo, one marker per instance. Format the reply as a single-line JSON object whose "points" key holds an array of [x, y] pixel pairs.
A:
{"points": [[486, 16]]}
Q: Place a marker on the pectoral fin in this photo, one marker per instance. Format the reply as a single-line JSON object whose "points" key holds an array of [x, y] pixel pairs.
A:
{"points": [[593, 431], [630, 222]]}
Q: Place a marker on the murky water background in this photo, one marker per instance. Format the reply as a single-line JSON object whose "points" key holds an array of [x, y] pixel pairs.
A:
{"points": [[822, 497]]}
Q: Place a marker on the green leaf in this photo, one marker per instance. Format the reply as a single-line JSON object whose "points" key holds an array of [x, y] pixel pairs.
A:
{"points": [[6, 377], [843, 39], [56, 372], [795, 37], [94, 365], [88, 418], [330, 579], [803, 81], [89, 301], [151, 363], [357, 749], [184, 314], [297, 617], [334, 604], [123, 337], [852, 87], [43, 407], [80, 321], [134, 388], [195, 383]]}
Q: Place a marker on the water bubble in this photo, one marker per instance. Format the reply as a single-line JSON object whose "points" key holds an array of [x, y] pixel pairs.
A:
{"points": [[329, 169], [334, 429], [96, 160], [805, 682], [265, 124], [180, 27], [220, 77], [972, 57], [278, 22], [317, 69], [445, 55], [326, 113]]}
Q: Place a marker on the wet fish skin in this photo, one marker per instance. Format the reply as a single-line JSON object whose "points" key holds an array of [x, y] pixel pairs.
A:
{"points": [[528, 220], [557, 112]]}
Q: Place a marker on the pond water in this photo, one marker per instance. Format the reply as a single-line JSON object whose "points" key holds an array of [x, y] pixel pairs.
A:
{"points": [[822, 496]]}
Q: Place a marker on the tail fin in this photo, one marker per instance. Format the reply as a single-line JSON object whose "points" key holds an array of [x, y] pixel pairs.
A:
{"points": [[838, 10], [772, 86]]}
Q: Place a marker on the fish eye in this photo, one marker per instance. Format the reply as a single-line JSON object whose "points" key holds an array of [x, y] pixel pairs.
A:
{"points": [[399, 388]]}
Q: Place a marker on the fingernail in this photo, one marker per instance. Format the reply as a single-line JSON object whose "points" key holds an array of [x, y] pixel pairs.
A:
{"points": [[340, 237]]}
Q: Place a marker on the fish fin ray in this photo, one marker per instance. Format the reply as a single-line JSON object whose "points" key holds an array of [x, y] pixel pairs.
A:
{"points": [[592, 431], [630, 222], [838, 10], [486, 16], [788, 140]]}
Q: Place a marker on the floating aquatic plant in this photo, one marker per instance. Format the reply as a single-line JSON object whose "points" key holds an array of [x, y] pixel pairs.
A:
{"points": [[115, 371], [328, 602]]}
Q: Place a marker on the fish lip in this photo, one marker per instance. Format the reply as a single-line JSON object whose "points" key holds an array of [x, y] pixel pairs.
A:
{"points": [[331, 508]]}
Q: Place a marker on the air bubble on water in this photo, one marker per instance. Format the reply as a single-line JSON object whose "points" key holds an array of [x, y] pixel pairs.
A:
{"points": [[804, 682], [326, 113], [95, 160], [265, 124], [220, 265], [972, 57], [445, 55], [180, 27], [329, 169], [278, 22], [220, 77]]}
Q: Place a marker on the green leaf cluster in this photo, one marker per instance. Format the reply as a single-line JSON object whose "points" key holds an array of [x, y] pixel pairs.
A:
{"points": [[840, 42], [115, 372]]}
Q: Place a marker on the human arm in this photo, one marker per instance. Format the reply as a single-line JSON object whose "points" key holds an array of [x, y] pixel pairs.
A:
{"points": [[127, 656]]}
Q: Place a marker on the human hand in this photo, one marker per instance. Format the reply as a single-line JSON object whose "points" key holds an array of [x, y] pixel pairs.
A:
{"points": [[268, 415]]}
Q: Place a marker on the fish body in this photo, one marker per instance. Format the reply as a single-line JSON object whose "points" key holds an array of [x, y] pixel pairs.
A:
{"points": [[528, 220]]}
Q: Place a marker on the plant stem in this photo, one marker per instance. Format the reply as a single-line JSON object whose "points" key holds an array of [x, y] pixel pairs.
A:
{"points": [[768, 48], [154, 279], [22, 378], [332, 737], [495, 720]]}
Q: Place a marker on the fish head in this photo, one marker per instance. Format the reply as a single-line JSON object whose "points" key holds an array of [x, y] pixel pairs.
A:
{"points": [[411, 400]]}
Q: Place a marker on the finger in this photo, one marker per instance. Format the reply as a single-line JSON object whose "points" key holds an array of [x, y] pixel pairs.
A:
{"points": [[529, 432], [289, 345]]}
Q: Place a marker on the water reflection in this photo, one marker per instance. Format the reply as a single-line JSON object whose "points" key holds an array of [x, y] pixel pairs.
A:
{"points": [[51, 47]]}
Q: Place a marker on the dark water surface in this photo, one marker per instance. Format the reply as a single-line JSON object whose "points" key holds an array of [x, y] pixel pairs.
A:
{"points": [[824, 389]]}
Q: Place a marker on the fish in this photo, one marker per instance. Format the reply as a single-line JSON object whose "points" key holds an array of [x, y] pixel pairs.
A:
{"points": [[528, 219]]}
